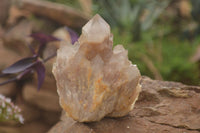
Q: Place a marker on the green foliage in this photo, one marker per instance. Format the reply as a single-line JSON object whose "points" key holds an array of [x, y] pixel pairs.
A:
{"points": [[134, 16], [175, 64], [196, 10], [170, 58], [152, 37], [73, 3], [161, 51]]}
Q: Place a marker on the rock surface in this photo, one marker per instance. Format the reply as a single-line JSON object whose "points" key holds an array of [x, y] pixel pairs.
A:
{"points": [[46, 98], [62, 14], [162, 107], [4, 53], [31, 127], [93, 80], [18, 42], [29, 112], [4, 8]]}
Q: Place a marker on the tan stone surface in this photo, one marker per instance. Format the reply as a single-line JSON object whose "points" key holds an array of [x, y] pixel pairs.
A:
{"points": [[4, 54], [8, 90], [45, 99], [62, 34], [175, 104], [93, 80], [4, 9], [60, 13], [162, 107], [32, 127], [17, 40], [29, 113], [50, 117]]}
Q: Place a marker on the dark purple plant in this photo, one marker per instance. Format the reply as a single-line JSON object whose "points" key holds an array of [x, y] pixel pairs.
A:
{"points": [[35, 63], [74, 36], [30, 64]]}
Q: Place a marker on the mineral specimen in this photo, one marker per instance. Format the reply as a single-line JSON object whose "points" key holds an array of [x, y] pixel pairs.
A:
{"points": [[93, 80]]}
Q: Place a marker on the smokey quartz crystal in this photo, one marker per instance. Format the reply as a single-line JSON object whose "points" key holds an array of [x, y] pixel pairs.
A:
{"points": [[95, 80]]}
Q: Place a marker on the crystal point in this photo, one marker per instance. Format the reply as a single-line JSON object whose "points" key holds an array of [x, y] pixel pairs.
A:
{"points": [[94, 81], [96, 30]]}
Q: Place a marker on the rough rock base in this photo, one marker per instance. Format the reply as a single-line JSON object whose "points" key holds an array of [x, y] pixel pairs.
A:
{"points": [[163, 107]]}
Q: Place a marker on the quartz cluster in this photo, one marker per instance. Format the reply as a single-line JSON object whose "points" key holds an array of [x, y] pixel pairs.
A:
{"points": [[95, 80]]}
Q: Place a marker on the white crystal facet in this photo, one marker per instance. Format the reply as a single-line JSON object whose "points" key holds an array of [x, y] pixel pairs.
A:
{"points": [[96, 30]]}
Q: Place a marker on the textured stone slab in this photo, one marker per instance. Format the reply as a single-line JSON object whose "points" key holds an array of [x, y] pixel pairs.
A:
{"points": [[162, 107]]}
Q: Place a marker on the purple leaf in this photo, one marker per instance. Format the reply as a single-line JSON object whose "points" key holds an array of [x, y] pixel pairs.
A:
{"points": [[3, 75], [20, 65], [22, 74], [40, 69], [49, 57], [31, 49], [8, 81], [43, 38], [74, 36]]}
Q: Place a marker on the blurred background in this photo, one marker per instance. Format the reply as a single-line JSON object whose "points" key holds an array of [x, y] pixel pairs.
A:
{"points": [[162, 37]]}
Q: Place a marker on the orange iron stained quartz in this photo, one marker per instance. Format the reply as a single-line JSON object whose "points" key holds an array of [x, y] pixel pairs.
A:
{"points": [[95, 80]]}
